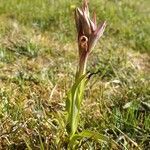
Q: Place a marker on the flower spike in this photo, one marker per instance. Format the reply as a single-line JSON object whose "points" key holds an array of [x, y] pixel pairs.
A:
{"points": [[87, 27]]}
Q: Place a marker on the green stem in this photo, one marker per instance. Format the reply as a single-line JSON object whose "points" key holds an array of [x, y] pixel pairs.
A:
{"points": [[82, 65]]}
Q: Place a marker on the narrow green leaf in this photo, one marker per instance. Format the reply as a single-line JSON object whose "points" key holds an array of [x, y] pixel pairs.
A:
{"points": [[89, 134], [73, 103], [41, 143], [27, 144], [94, 135]]}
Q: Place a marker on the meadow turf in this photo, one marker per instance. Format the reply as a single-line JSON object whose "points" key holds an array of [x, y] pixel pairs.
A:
{"points": [[38, 59]]}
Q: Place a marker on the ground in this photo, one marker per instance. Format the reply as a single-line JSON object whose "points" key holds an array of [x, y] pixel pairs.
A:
{"points": [[38, 59]]}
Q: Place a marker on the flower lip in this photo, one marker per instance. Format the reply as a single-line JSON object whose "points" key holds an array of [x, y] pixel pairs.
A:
{"points": [[83, 39]]}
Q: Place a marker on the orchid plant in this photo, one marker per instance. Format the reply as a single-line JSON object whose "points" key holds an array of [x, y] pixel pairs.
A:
{"points": [[88, 34]]}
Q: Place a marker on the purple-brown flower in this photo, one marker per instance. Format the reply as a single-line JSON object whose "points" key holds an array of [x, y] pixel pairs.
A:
{"points": [[88, 31]]}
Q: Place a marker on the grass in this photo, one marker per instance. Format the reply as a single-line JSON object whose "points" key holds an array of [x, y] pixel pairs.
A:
{"points": [[38, 54]]}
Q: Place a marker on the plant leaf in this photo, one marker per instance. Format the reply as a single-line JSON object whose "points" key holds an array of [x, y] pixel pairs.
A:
{"points": [[73, 103], [89, 134]]}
